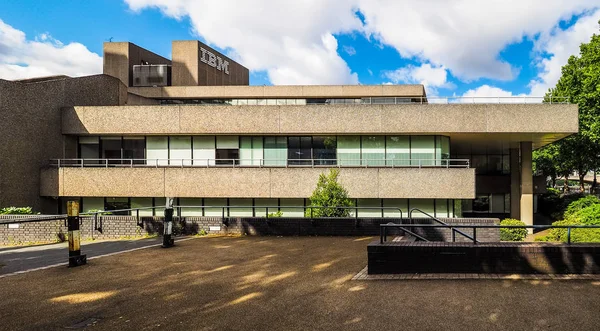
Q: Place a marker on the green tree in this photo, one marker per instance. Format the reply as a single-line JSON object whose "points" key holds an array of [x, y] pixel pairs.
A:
{"points": [[580, 84], [545, 161], [329, 193]]}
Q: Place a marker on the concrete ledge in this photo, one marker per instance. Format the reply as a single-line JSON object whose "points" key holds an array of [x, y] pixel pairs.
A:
{"points": [[496, 258]]}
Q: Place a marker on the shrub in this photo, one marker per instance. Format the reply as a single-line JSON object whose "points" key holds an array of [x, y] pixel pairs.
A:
{"points": [[587, 216], [278, 213], [512, 234], [17, 211], [329, 193], [580, 204]]}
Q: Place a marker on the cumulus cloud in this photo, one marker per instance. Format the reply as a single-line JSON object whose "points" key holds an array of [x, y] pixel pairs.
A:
{"points": [[555, 48], [44, 56], [465, 36], [431, 77], [293, 41]]}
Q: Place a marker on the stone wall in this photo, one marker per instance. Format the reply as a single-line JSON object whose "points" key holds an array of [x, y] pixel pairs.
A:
{"points": [[495, 258], [120, 227]]}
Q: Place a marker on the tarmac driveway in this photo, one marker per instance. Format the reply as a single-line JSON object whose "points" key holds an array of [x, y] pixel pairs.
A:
{"points": [[270, 283]]}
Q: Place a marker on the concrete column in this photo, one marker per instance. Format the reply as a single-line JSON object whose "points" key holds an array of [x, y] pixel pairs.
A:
{"points": [[515, 184], [526, 184]]}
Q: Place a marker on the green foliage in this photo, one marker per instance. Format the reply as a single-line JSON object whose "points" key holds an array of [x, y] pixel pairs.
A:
{"points": [[91, 211], [579, 84], [553, 204], [580, 204], [589, 215], [329, 193], [17, 211], [202, 233], [512, 234], [278, 213]]}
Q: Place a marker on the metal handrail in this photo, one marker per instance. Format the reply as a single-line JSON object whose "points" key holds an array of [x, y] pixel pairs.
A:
{"points": [[474, 227], [440, 222], [263, 163]]}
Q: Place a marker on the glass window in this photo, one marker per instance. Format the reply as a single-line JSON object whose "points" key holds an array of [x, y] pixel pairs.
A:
{"points": [[262, 212], [142, 203], [441, 208], [214, 211], [88, 204], [481, 204], [194, 203], [467, 206], [396, 203], [117, 204], [348, 150], [299, 150], [111, 149], [292, 212], [397, 150], [506, 164], [227, 152], [422, 150], [373, 150], [246, 211], [425, 205], [445, 147], [89, 148], [134, 148], [497, 205], [372, 207], [507, 203], [204, 150], [157, 150], [180, 150], [479, 162], [494, 164], [324, 149], [275, 153]]}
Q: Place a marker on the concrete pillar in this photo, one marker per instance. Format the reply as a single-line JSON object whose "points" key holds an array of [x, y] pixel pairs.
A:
{"points": [[526, 184], [515, 184]]}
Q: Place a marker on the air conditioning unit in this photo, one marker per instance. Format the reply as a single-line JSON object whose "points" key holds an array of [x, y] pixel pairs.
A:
{"points": [[151, 75]]}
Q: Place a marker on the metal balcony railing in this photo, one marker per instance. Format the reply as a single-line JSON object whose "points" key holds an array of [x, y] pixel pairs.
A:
{"points": [[262, 163]]}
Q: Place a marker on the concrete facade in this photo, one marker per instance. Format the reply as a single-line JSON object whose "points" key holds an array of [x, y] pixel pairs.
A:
{"points": [[120, 57], [512, 123], [30, 130], [191, 66], [453, 183]]}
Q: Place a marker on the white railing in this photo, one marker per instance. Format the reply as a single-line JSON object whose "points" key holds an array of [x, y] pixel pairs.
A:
{"points": [[263, 163]]}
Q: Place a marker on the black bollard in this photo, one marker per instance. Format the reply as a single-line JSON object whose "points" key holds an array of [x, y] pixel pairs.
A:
{"points": [[168, 240], [75, 257]]}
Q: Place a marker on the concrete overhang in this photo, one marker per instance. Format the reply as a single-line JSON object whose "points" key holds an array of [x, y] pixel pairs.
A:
{"points": [[539, 123], [279, 91], [424, 183]]}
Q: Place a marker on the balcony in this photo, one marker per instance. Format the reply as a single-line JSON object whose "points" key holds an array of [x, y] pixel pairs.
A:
{"points": [[426, 179]]}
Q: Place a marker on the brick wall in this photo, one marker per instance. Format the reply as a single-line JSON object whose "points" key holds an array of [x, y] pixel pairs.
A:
{"points": [[115, 227], [501, 258]]}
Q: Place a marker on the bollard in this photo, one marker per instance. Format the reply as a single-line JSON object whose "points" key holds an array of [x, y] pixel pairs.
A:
{"points": [[168, 240], [75, 256]]}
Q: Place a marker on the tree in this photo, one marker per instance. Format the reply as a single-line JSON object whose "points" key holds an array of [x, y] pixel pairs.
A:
{"points": [[580, 84], [329, 193], [545, 162]]}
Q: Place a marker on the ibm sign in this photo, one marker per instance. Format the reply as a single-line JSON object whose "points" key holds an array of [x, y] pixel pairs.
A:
{"points": [[214, 61]]}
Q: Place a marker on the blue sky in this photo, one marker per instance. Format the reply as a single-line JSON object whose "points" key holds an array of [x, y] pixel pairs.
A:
{"points": [[457, 47]]}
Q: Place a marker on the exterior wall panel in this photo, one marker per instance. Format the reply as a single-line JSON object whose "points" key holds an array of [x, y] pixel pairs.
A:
{"points": [[425, 183]]}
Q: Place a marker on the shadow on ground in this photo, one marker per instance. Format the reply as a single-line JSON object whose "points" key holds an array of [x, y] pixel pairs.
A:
{"points": [[290, 283]]}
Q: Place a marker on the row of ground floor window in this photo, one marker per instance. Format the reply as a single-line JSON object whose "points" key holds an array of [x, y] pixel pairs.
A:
{"points": [[289, 207]]}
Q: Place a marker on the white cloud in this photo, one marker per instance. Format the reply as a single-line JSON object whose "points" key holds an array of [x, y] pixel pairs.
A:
{"points": [[292, 41], [556, 47], [44, 56], [349, 50], [464, 36], [431, 77]]}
